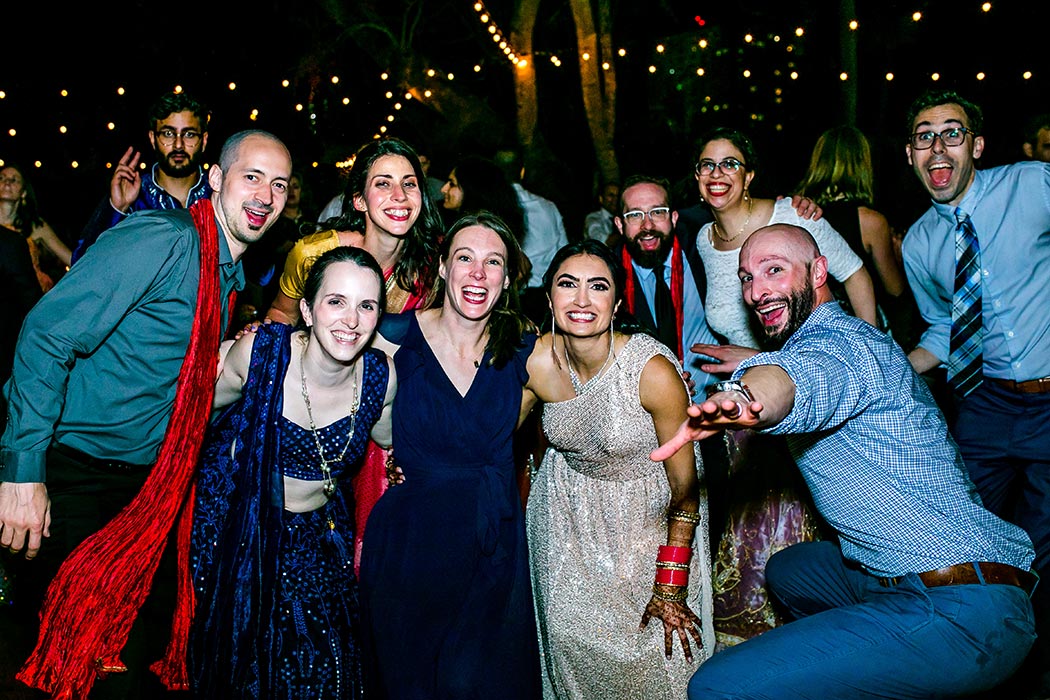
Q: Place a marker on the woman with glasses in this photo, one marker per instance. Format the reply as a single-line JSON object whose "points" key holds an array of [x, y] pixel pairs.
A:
{"points": [[766, 497]]}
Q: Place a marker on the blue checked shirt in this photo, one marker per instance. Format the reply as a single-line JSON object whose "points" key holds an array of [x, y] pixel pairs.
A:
{"points": [[875, 450]]}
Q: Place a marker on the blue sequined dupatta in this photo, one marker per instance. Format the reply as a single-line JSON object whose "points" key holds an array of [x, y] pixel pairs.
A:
{"points": [[238, 507]]}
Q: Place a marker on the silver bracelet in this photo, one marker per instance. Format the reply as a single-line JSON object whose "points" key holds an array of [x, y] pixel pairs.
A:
{"points": [[732, 385]]}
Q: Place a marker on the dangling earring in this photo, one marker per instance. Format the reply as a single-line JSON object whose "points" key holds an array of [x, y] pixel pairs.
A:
{"points": [[554, 338]]}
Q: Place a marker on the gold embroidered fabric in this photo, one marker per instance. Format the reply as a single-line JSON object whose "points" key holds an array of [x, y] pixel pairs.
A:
{"points": [[597, 513]]}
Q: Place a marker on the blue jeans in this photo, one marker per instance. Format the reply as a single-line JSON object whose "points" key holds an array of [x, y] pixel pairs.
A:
{"points": [[855, 638]]}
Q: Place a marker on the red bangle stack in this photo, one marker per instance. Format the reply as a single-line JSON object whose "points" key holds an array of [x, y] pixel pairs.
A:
{"points": [[672, 569], [673, 555]]}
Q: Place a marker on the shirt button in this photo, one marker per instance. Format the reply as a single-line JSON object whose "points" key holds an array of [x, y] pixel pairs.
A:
{"points": [[985, 272], [1010, 334], [997, 304]]}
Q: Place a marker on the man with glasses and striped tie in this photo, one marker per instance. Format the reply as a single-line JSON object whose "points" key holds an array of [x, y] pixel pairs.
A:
{"points": [[977, 262]]}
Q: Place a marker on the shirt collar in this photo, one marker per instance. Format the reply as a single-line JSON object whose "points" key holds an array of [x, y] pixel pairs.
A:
{"points": [[152, 180], [818, 315], [969, 200], [230, 270]]}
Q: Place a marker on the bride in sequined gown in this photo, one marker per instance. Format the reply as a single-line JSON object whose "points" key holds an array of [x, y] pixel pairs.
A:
{"points": [[598, 508]]}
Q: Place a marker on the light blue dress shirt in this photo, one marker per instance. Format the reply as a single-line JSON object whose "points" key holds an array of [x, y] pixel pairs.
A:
{"points": [[694, 320], [1010, 210]]}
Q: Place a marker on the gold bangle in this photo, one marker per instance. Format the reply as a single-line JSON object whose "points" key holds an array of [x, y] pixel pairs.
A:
{"points": [[676, 597], [684, 516], [672, 565]]}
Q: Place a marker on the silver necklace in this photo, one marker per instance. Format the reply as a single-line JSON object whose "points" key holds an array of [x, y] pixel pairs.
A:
{"points": [[578, 387], [326, 469]]}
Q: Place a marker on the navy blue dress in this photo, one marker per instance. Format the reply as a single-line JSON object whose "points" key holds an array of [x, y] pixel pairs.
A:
{"points": [[445, 593], [277, 606]]}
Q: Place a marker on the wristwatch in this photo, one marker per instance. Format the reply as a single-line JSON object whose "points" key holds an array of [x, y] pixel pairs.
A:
{"points": [[731, 385]]}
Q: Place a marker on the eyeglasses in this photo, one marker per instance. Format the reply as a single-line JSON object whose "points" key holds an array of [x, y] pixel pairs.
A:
{"points": [[921, 140], [190, 137], [657, 215], [727, 166]]}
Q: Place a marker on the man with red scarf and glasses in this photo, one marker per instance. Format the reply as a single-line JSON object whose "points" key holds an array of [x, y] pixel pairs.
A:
{"points": [[109, 399], [655, 241]]}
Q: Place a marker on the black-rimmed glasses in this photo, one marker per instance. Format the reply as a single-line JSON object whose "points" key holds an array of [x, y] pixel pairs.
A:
{"points": [[921, 140]]}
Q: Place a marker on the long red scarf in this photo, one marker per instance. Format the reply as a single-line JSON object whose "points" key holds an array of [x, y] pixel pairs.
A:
{"points": [[92, 602], [677, 282]]}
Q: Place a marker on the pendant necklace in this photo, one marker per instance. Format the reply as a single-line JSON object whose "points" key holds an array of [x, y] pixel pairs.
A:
{"points": [[326, 469], [578, 387], [730, 239]]}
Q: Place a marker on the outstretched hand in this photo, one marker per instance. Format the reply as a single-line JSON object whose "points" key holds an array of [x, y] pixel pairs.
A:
{"points": [[677, 618], [723, 410], [726, 357]]}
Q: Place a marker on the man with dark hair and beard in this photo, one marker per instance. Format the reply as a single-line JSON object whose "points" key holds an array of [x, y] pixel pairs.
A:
{"points": [[926, 593], [178, 132]]}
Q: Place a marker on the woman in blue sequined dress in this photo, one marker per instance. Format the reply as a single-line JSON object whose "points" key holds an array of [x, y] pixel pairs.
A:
{"points": [[271, 555]]}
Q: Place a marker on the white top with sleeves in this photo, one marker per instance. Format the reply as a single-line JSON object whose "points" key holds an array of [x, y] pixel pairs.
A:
{"points": [[727, 314]]}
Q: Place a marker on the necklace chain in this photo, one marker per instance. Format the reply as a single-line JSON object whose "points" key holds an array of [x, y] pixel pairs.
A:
{"points": [[577, 386], [730, 239], [326, 469]]}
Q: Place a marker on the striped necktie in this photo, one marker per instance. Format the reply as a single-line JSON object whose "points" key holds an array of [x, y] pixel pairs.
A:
{"points": [[964, 351]]}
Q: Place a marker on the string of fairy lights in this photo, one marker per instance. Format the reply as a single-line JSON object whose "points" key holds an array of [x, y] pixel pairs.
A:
{"points": [[664, 57]]}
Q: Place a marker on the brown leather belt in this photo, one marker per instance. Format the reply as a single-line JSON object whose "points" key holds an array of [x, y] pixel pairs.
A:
{"points": [[963, 574], [1032, 386]]}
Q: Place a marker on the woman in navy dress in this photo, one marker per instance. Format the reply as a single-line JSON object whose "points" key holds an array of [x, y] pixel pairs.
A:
{"points": [[271, 552], [445, 591]]}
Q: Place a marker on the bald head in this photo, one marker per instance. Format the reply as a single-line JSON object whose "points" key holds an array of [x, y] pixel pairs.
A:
{"points": [[783, 277], [793, 242]]}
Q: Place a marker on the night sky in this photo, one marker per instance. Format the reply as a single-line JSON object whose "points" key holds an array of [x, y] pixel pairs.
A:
{"points": [[148, 48]]}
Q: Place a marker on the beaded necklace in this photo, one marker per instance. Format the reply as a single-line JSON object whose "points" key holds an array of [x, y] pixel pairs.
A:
{"points": [[326, 469]]}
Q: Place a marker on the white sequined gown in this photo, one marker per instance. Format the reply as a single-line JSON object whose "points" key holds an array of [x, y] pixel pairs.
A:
{"points": [[597, 512]]}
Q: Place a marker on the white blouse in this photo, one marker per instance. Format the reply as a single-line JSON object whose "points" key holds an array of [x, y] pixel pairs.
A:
{"points": [[726, 312]]}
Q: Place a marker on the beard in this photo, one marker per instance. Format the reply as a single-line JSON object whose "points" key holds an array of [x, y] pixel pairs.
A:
{"points": [[173, 170], [799, 307], [649, 259]]}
